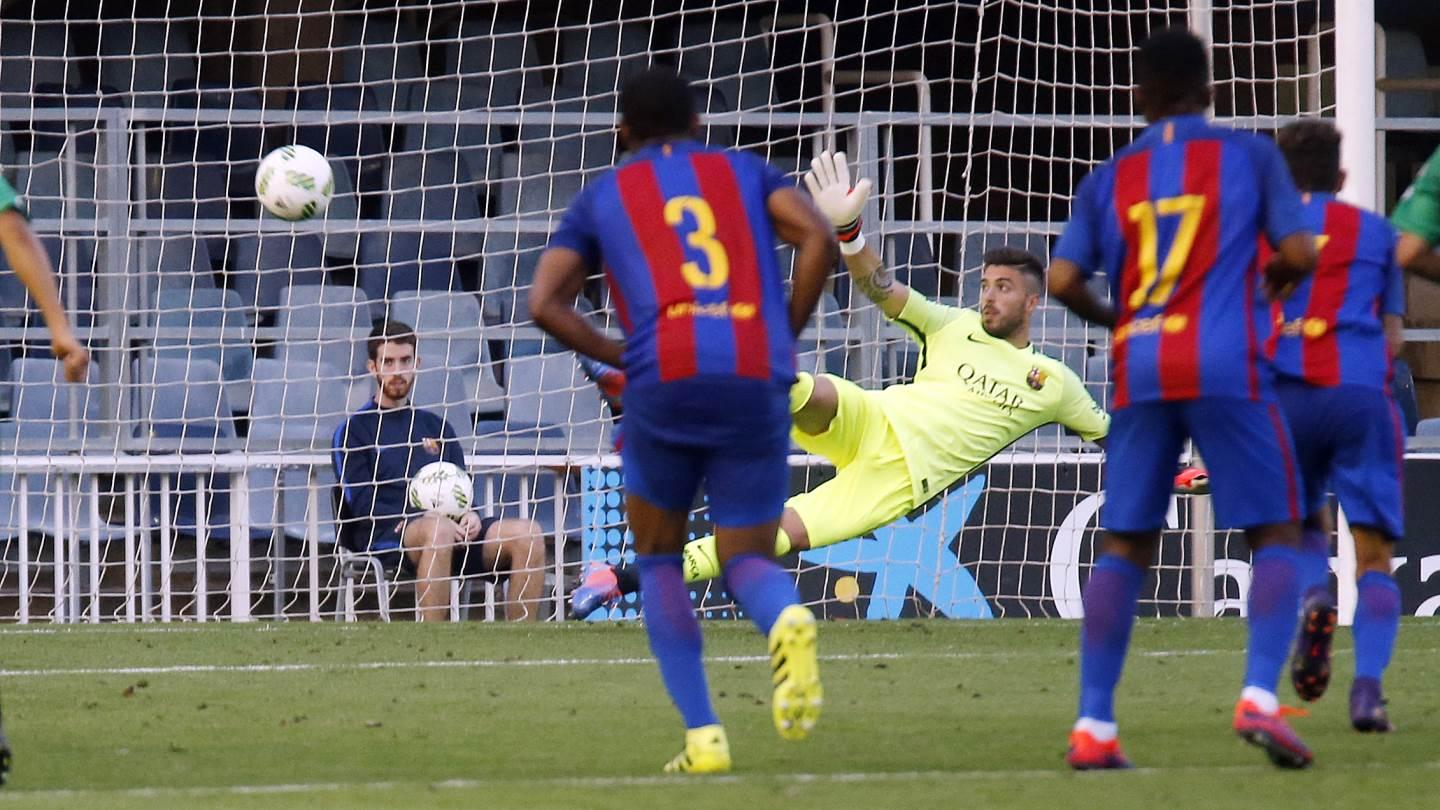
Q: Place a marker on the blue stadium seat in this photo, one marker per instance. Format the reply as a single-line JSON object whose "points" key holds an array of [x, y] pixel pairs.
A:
{"points": [[546, 394], [599, 56], [1428, 427], [234, 147], [48, 408], [34, 54], [381, 52], [361, 147], [710, 56], [262, 266], [1097, 378], [324, 324], [435, 185], [43, 182], [292, 406], [194, 311], [395, 262], [456, 377], [142, 59], [913, 261], [495, 57], [344, 210], [477, 144]]}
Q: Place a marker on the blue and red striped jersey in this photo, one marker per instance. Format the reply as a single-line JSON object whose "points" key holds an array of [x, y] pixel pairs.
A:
{"points": [[1174, 220], [1330, 331], [688, 249]]}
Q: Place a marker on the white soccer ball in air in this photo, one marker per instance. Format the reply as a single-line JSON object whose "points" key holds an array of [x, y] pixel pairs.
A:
{"points": [[442, 487], [294, 182]]}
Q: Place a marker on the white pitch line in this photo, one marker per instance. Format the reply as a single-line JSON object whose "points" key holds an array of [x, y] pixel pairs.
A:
{"points": [[487, 663], [601, 782]]}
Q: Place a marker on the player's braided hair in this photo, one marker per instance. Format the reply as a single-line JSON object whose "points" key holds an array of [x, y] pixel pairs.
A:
{"points": [[1312, 150]]}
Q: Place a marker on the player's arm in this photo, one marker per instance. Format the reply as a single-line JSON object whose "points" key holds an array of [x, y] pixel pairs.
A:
{"points": [[1079, 413], [355, 458], [1284, 223], [558, 280], [797, 222], [1076, 256], [829, 183], [1417, 218], [28, 259]]}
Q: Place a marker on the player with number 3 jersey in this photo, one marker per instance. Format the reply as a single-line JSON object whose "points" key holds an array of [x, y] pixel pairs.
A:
{"points": [[1174, 221], [686, 235]]}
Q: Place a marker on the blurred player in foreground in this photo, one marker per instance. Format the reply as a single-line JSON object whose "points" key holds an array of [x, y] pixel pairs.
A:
{"points": [[1332, 345], [30, 263], [981, 385], [1175, 220], [684, 233]]}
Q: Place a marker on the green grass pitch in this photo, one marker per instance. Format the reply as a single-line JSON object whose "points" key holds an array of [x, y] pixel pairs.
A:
{"points": [[918, 714]]}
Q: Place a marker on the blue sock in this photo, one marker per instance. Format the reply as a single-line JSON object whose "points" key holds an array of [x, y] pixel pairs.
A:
{"points": [[1109, 601], [1274, 614], [1377, 618], [675, 636], [761, 587], [1315, 564]]}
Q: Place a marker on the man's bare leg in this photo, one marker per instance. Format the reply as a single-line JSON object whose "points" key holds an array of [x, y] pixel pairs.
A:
{"points": [[518, 545], [430, 541]]}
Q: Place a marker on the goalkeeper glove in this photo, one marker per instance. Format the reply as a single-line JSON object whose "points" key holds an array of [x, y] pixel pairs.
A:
{"points": [[829, 184]]}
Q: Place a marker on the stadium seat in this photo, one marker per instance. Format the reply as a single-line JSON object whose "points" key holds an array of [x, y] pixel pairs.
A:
{"points": [[597, 58], [361, 147], [142, 59], [477, 144], [435, 185], [198, 311], [710, 57], [1097, 378], [546, 394], [167, 263], [914, 262], [344, 210], [826, 353], [50, 409], [381, 52], [235, 147], [1405, 59], [291, 408], [182, 189], [1428, 427], [455, 376], [43, 182], [32, 54], [262, 266], [395, 262], [323, 324]]}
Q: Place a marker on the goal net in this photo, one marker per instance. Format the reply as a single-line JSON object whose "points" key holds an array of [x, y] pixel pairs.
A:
{"points": [[194, 474]]}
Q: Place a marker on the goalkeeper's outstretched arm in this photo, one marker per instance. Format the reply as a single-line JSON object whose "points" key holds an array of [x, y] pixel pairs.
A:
{"points": [[27, 258], [829, 183]]}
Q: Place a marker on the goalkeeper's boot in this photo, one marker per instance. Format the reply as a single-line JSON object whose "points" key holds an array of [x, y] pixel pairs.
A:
{"points": [[1271, 733], [706, 751], [1089, 754], [1192, 481], [610, 381], [795, 705], [1310, 665], [1367, 707], [600, 588]]}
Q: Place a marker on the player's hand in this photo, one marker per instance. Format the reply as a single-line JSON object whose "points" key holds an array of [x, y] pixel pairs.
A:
{"points": [[470, 527], [72, 355], [1279, 281], [829, 183]]}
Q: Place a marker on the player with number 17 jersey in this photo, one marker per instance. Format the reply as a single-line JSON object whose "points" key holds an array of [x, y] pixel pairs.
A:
{"points": [[1174, 221]]}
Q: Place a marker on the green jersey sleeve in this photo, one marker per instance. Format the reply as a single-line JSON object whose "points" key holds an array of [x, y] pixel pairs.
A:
{"points": [[921, 316], [9, 200], [1418, 211], [1078, 411]]}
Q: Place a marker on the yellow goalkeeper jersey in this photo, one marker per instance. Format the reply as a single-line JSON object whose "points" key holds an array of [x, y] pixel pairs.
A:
{"points": [[974, 395]]}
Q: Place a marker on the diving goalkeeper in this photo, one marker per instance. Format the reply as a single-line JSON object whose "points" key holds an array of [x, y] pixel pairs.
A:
{"points": [[980, 386]]}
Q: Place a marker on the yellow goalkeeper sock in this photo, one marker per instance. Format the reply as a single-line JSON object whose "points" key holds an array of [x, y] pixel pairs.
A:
{"points": [[702, 557], [802, 389]]}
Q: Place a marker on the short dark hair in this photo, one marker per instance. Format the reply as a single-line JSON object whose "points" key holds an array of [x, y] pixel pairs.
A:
{"points": [[1019, 258], [1173, 66], [657, 103], [388, 331], [1312, 150]]}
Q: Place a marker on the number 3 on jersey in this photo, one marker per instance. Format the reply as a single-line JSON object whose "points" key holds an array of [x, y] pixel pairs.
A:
{"points": [[1157, 280], [702, 238]]}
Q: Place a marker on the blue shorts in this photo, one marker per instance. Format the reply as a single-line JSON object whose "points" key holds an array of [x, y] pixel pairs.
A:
{"points": [[1245, 446], [1348, 440], [732, 435]]}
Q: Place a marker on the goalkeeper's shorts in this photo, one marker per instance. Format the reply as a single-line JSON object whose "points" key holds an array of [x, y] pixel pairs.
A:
{"points": [[871, 487]]}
